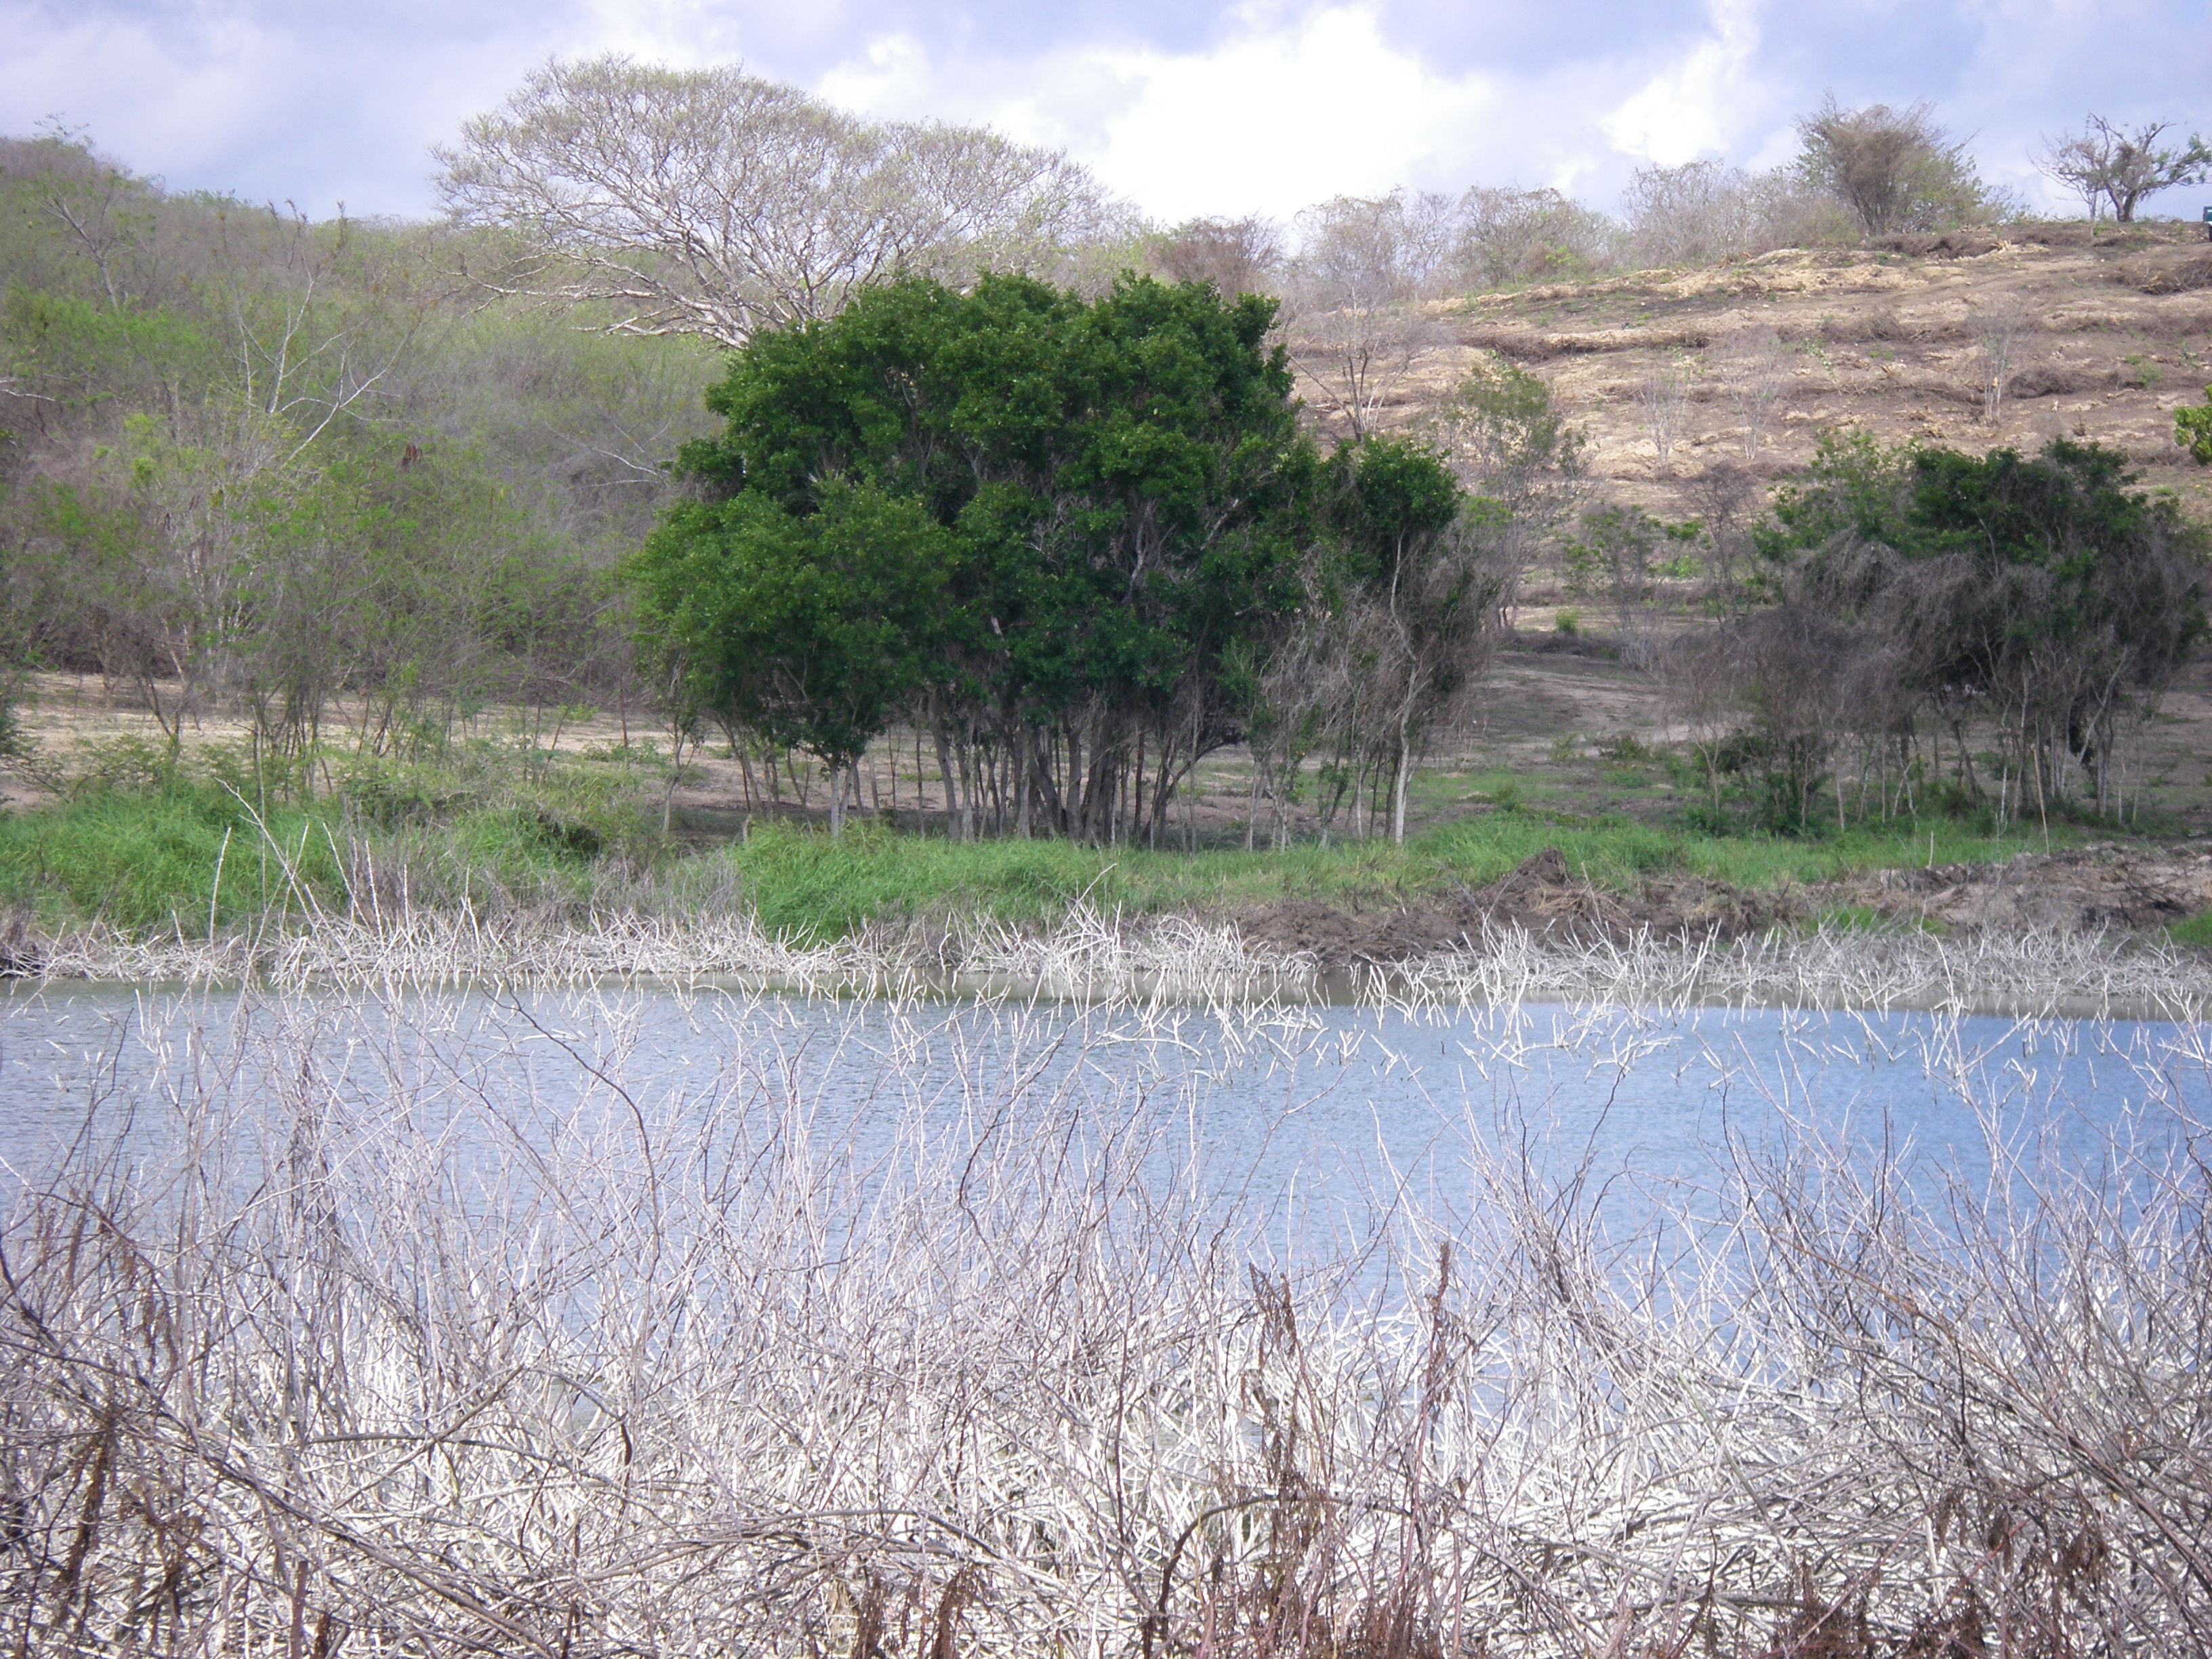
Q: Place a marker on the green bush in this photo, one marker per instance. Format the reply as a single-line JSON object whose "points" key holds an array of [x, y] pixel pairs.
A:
{"points": [[2196, 931], [149, 862]]}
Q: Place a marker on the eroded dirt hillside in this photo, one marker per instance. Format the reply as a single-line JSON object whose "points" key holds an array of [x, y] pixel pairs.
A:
{"points": [[2112, 331]]}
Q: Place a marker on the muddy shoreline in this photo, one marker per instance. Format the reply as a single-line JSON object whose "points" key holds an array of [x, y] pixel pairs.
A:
{"points": [[2066, 935], [2106, 891]]}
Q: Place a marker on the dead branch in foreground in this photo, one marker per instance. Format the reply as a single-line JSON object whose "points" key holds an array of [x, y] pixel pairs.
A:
{"points": [[709, 1369]]}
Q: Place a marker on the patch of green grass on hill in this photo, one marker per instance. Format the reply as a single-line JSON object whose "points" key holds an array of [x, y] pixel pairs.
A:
{"points": [[150, 862], [2195, 932]]}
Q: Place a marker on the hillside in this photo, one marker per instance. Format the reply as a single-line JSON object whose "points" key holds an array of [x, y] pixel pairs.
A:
{"points": [[2111, 332]]}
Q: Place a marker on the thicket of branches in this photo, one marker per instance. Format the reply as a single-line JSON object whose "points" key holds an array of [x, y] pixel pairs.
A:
{"points": [[254, 464], [1926, 607], [702, 1370]]}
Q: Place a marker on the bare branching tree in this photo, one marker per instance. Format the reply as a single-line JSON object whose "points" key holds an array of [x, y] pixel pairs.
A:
{"points": [[1662, 393], [1237, 256], [1355, 291], [711, 201], [1704, 212], [2000, 326], [1892, 170], [1753, 370], [1506, 236], [2111, 167], [1726, 498]]}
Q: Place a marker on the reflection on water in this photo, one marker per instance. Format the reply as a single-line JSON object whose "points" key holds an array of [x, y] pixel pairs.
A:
{"points": [[1329, 1102]]}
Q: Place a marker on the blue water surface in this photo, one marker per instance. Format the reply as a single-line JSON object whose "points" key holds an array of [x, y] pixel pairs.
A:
{"points": [[1341, 1103]]}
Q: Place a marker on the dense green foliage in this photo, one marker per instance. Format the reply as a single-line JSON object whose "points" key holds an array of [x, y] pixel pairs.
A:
{"points": [[194, 858], [2045, 595], [1059, 532], [2192, 429]]}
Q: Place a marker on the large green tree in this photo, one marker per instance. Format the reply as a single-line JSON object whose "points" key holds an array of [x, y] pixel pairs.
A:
{"points": [[808, 629], [1116, 494], [1417, 598]]}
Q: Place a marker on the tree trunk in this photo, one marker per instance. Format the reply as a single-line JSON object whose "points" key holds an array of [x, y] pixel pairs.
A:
{"points": [[1398, 786], [1137, 791], [945, 776]]}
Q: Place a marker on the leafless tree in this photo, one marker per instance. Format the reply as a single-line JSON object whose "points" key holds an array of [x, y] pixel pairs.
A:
{"points": [[1704, 212], [2000, 326], [1237, 256], [1726, 498], [1662, 393], [1363, 267], [712, 202], [2110, 166], [1892, 170], [1753, 370], [1506, 236]]}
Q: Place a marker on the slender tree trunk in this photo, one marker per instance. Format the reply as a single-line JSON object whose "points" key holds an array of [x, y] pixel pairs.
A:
{"points": [[971, 804], [1398, 785], [1137, 790], [1024, 777], [945, 777]]}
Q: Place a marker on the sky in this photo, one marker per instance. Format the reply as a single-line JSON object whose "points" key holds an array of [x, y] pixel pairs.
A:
{"points": [[1185, 107]]}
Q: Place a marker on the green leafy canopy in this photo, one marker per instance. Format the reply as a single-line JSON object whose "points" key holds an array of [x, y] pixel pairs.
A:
{"points": [[1013, 500]]}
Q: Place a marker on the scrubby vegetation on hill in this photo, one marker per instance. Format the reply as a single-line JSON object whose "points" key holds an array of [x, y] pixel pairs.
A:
{"points": [[349, 513]]}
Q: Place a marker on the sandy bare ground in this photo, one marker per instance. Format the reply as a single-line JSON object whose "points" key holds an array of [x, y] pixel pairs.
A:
{"points": [[2117, 331]]}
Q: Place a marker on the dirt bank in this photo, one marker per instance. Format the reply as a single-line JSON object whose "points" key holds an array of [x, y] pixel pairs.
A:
{"points": [[2097, 889]]}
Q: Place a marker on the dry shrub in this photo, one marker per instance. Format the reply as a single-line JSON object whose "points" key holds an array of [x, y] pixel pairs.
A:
{"points": [[1952, 245], [2063, 234], [1884, 326], [2181, 276], [423, 1364], [2056, 380]]}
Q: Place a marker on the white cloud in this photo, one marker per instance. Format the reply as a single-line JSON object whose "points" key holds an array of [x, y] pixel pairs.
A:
{"points": [[1271, 117], [682, 33], [1696, 105], [1285, 103], [161, 104], [1275, 120]]}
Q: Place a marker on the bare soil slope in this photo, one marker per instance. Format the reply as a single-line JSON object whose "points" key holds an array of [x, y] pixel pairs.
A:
{"points": [[2117, 331]]}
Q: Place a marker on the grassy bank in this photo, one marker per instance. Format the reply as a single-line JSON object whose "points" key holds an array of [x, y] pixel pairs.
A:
{"points": [[808, 886], [196, 857]]}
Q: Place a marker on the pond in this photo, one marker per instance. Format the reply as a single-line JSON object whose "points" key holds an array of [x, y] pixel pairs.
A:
{"points": [[645, 1320], [1331, 1099]]}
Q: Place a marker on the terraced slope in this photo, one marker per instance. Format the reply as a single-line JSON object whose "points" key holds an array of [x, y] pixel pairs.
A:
{"points": [[2110, 334]]}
